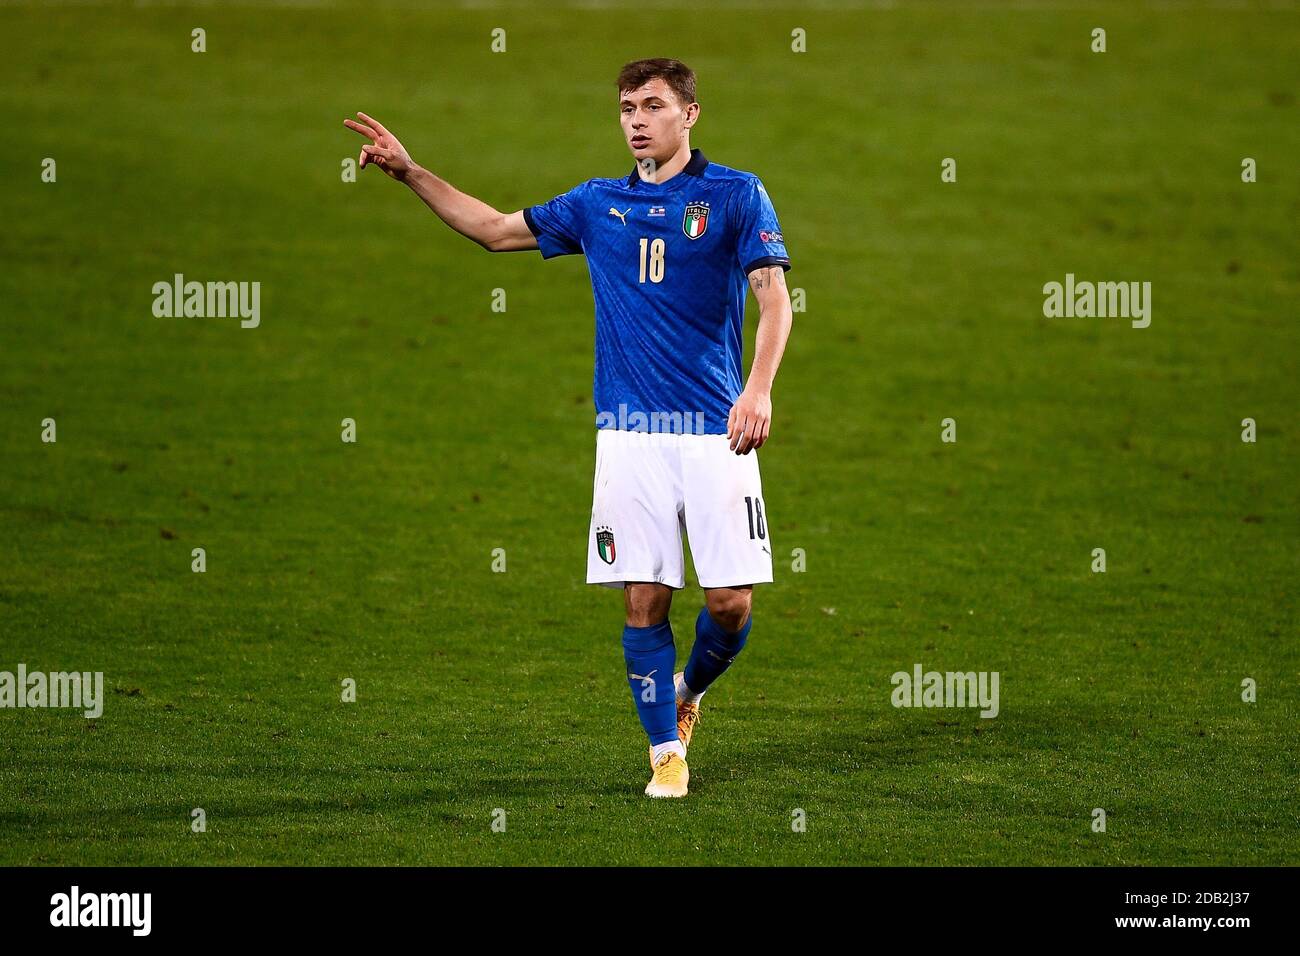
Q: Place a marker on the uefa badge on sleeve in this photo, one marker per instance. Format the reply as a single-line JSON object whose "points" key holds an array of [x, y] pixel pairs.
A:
{"points": [[696, 220], [605, 544]]}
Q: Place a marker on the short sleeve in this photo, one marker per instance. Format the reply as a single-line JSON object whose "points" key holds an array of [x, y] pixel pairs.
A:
{"points": [[758, 235], [557, 224]]}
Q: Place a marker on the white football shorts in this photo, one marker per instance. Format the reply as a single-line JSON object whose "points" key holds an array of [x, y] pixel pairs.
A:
{"points": [[650, 487]]}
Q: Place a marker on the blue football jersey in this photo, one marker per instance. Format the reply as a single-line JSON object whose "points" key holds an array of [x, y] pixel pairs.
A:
{"points": [[669, 265]]}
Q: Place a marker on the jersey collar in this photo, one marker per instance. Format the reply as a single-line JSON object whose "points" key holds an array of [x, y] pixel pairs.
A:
{"points": [[694, 167]]}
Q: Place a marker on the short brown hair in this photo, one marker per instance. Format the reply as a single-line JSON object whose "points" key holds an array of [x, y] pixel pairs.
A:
{"points": [[679, 77]]}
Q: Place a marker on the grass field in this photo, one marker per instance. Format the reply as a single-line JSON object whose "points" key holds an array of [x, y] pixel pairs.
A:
{"points": [[478, 690]]}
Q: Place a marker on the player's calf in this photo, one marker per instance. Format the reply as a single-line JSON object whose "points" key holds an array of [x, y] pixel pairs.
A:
{"points": [[719, 638], [650, 656]]}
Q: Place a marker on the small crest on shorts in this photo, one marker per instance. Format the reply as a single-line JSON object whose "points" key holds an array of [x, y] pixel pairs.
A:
{"points": [[605, 544], [696, 219]]}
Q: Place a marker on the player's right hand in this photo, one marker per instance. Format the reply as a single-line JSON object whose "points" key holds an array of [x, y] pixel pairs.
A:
{"points": [[384, 150]]}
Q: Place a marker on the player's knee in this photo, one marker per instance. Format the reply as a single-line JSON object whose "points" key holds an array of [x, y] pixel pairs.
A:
{"points": [[729, 608], [647, 604]]}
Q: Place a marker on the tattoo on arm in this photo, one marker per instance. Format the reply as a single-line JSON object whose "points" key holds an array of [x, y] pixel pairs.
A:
{"points": [[766, 277]]}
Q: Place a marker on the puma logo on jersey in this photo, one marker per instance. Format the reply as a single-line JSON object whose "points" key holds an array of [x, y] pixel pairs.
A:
{"points": [[622, 216], [649, 677]]}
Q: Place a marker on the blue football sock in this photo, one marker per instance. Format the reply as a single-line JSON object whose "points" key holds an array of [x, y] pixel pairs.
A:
{"points": [[713, 652], [651, 657]]}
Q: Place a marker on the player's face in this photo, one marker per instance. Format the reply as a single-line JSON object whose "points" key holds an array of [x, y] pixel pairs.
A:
{"points": [[655, 121]]}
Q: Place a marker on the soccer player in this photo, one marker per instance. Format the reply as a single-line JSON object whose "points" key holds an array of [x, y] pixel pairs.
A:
{"points": [[669, 248]]}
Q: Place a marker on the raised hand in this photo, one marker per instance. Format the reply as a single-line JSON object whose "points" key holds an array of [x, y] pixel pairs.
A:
{"points": [[384, 150]]}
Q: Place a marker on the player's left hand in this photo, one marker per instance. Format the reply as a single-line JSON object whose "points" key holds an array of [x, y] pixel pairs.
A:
{"points": [[749, 421]]}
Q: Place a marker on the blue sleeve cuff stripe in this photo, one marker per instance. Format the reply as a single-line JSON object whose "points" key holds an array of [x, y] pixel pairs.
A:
{"points": [[532, 223], [781, 261]]}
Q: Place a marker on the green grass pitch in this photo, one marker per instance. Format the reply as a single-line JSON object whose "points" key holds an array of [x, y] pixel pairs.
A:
{"points": [[373, 561]]}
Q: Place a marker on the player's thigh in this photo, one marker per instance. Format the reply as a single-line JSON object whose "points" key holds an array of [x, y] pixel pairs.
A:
{"points": [[726, 516], [635, 525]]}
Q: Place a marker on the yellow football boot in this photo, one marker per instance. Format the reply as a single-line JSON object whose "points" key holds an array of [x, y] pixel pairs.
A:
{"points": [[688, 715], [670, 779]]}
